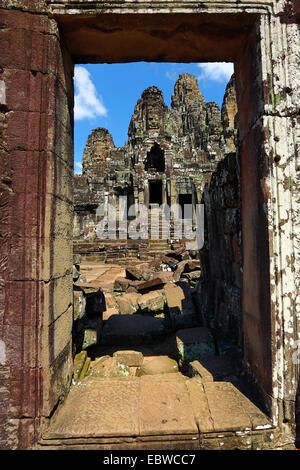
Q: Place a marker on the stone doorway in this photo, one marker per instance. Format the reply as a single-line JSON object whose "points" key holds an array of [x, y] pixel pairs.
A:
{"points": [[185, 199], [155, 160], [37, 364], [155, 192]]}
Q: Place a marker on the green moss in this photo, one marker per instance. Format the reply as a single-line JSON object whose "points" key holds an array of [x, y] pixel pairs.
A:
{"points": [[79, 362], [85, 368]]}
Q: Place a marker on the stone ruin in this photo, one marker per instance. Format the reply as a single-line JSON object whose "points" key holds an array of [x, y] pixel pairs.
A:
{"points": [[40, 43], [169, 156]]}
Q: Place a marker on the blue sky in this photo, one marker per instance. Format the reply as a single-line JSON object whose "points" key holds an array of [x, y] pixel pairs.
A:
{"points": [[106, 94]]}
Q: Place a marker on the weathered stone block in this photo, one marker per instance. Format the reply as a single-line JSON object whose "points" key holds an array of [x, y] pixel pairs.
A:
{"points": [[130, 358], [109, 367], [128, 303], [152, 302], [158, 365], [151, 284], [121, 284], [133, 273], [174, 297]]}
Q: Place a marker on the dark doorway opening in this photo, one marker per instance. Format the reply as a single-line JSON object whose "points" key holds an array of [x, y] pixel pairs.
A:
{"points": [[155, 192], [155, 159], [185, 199]]}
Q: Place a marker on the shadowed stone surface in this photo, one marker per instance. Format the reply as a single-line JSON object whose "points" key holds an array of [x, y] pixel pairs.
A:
{"points": [[195, 343], [131, 329], [214, 368]]}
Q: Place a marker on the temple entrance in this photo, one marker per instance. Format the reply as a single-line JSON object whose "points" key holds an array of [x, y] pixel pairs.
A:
{"points": [[155, 192], [37, 361], [155, 159], [185, 200]]}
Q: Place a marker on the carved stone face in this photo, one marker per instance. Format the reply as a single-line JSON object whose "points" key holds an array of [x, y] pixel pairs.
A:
{"points": [[152, 118]]}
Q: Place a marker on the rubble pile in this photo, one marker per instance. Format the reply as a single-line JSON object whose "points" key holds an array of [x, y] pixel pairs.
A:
{"points": [[143, 322]]}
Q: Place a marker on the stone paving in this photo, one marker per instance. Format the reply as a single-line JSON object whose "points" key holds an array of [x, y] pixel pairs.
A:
{"points": [[155, 377], [167, 407]]}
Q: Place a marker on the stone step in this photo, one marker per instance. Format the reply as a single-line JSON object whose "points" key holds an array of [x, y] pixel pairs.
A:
{"points": [[165, 411]]}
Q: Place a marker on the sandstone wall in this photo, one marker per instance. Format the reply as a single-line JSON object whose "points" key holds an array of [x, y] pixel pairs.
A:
{"points": [[221, 256], [36, 206]]}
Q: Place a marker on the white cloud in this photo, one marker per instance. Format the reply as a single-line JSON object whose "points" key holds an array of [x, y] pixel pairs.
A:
{"points": [[216, 71], [88, 104], [172, 75], [78, 168]]}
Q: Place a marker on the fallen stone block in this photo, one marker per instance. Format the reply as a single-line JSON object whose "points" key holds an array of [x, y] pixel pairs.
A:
{"points": [[121, 284], [176, 254], [186, 266], [192, 265], [185, 255], [110, 300], [92, 331], [146, 271], [131, 290], [133, 273], [121, 330], [171, 262], [158, 365], [90, 338], [130, 358], [154, 264], [174, 297], [195, 344], [192, 275], [128, 303], [152, 302], [151, 284], [180, 269], [109, 367]]}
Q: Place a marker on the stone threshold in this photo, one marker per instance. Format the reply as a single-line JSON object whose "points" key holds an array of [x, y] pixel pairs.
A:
{"points": [[160, 412]]}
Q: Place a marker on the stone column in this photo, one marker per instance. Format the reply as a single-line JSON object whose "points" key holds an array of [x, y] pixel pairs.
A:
{"points": [[267, 101], [36, 127]]}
